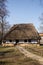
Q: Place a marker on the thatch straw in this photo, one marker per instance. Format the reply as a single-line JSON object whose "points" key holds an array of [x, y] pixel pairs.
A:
{"points": [[22, 31]]}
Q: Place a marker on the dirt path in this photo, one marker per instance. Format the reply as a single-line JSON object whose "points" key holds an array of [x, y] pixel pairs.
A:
{"points": [[29, 54]]}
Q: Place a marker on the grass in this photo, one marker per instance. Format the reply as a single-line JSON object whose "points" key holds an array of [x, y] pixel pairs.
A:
{"points": [[35, 49], [12, 56]]}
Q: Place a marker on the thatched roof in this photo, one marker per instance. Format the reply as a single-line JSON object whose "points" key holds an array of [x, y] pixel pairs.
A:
{"points": [[22, 31]]}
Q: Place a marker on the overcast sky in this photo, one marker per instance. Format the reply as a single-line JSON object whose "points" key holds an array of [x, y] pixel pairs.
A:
{"points": [[24, 11]]}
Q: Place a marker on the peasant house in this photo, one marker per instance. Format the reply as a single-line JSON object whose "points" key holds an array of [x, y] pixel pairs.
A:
{"points": [[22, 33]]}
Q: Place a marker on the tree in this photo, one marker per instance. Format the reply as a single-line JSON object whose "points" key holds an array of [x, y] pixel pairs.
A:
{"points": [[3, 14], [41, 24], [41, 17]]}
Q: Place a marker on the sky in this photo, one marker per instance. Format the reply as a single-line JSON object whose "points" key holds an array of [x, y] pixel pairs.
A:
{"points": [[25, 11]]}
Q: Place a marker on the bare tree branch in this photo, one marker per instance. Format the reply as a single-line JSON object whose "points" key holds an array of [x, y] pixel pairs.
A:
{"points": [[41, 24], [3, 14]]}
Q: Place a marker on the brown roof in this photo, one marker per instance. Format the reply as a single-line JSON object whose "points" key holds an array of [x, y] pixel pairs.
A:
{"points": [[41, 34], [22, 31]]}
